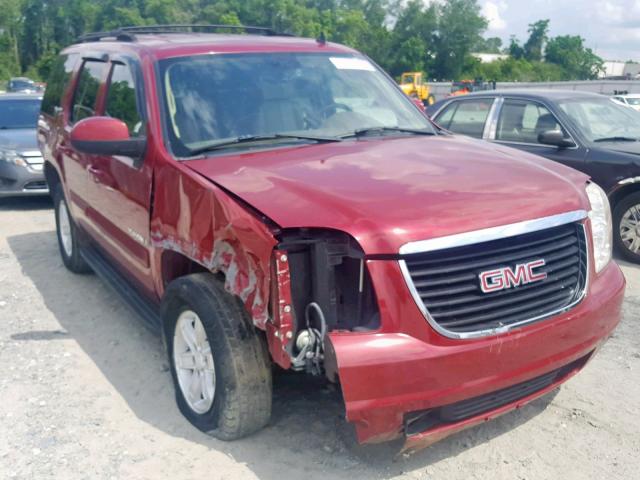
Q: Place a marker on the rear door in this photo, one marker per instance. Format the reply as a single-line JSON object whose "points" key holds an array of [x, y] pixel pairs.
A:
{"points": [[119, 188], [520, 121], [89, 81]]}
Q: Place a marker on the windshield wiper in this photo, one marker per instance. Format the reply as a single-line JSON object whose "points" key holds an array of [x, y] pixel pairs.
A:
{"points": [[366, 131], [258, 138], [616, 139]]}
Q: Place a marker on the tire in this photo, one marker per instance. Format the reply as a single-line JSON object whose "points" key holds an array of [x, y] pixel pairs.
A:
{"points": [[233, 352], [622, 208], [430, 100], [67, 235]]}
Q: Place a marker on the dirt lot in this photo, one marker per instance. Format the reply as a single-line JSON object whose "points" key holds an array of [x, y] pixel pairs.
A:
{"points": [[85, 393]]}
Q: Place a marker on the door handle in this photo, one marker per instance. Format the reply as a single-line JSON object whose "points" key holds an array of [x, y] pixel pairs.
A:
{"points": [[100, 176], [96, 173]]}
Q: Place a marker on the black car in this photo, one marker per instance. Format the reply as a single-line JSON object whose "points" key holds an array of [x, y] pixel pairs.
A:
{"points": [[20, 158], [586, 131]]}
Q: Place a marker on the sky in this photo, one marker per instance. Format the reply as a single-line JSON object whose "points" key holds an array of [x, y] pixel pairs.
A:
{"points": [[611, 28]]}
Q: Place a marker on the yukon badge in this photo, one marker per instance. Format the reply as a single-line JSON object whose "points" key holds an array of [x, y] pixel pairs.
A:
{"points": [[507, 277]]}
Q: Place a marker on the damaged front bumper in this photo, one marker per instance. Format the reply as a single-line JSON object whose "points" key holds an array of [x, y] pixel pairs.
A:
{"points": [[404, 376]]}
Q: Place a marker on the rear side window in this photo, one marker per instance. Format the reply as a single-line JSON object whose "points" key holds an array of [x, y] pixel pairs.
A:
{"points": [[121, 99], [522, 121], [84, 99], [466, 117], [57, 83]]}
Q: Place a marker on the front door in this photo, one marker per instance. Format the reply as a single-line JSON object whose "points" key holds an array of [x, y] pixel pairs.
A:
{"points": [[83, 104], [119, 188], [521, 121]]}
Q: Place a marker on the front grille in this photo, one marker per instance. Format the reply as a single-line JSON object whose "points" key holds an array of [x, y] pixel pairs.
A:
{"points": [[447, 281], [421, 421]]}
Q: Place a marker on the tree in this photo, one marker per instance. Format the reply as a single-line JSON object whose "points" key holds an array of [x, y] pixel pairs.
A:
{"points": [[460, 27], [489, 45], [578, 62], [413, 37], [537, 37], [515, 50]]}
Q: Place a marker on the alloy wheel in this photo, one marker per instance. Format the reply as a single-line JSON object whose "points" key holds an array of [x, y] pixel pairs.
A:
{"points": [[193, 362], [630, 229]]}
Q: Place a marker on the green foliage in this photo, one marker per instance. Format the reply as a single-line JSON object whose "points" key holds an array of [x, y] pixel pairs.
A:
{"points": [[436, 37], [515, 50], [537, 37], [460, 26], [515, 70], [489, 45], [569, 52]]}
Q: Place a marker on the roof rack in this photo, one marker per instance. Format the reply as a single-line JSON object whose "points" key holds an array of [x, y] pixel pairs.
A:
{"points": [[128, 34]]}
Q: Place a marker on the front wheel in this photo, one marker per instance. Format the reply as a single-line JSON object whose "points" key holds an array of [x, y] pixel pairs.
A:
{"points": [[219, 362], [626, 227], [67, 235], [430, 100]]}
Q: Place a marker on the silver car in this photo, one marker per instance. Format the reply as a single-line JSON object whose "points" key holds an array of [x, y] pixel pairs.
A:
{"points": [[20, 159]]}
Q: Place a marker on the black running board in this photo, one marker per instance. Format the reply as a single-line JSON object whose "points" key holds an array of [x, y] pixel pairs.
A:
{"points": [[148, 311]]}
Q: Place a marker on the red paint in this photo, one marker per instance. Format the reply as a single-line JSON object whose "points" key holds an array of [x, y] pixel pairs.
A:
{"points": [[408, 367], [99, 129], [280, 329], [389, 192], [383, 192]]}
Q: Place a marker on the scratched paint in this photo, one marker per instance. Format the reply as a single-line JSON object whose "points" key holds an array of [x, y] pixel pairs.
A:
{"points": [[193, 217]]}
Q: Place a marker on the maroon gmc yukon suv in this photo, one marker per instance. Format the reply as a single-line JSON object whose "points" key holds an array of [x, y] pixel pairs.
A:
{"points": [[263, 199]]}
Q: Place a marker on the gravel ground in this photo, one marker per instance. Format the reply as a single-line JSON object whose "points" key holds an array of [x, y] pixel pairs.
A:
{"points": [[85, 393]]}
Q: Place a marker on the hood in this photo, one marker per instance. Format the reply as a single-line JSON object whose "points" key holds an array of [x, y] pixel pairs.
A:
{"points": [[632, 148], [19, 139], [390, 191]]}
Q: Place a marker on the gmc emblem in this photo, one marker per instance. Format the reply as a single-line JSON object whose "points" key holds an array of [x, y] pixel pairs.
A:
{"points": [[507, 277]]}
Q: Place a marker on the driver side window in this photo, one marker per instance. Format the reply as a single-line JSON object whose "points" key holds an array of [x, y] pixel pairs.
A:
{"points": [[86, 93], [522, 121], [121, 99]]}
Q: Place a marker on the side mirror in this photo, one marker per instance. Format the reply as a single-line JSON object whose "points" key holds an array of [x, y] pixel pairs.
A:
{"points": [[106, 136], [555, 138]]}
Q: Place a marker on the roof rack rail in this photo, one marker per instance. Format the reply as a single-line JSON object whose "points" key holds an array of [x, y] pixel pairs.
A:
{"points": [[118, 35], [128, 34]]}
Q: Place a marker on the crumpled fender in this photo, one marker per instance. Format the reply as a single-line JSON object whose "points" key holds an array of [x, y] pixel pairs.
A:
{"points": [[194, 217]]}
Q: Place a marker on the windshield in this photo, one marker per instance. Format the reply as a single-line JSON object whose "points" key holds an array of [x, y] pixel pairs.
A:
{"points": [[633, 101], [19, 113], [602, 118], [210, 98]]}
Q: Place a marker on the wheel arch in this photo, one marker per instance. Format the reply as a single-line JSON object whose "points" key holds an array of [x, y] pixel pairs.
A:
{"points": [[174, 264], [51, 176], [623, 191]]}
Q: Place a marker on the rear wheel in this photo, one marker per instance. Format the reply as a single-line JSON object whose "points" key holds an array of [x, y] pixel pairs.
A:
{"points": [[67, 235], [219, 362], [626, 227], [430, 100]]}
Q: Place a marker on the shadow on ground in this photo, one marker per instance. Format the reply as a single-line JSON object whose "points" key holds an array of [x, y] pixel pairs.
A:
{"points": [[26, 203], [307, 435]]}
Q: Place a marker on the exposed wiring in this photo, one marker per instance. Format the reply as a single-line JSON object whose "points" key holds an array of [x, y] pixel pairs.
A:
{"points": [[311, 354]]}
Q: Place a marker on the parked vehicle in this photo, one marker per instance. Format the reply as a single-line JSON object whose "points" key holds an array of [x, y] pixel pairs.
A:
{"points": [[464, 87], [628, 100], [21, 85], [582, 130], [414, 85], [20, 159], [269, 199]]}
